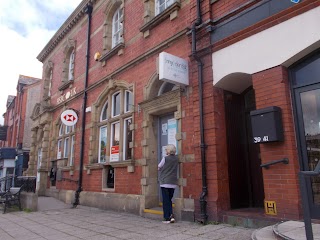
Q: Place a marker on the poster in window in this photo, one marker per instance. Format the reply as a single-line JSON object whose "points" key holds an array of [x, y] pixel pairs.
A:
{"points": [[172, 130], [114, 156]]}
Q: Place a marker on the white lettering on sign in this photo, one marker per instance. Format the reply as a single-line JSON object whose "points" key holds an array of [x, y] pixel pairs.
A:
{"points": [[66, 96], [259, 139]]}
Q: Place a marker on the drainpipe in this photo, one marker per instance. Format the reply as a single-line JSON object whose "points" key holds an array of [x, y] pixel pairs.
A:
{"points": [[203, 202], [87, 10]]}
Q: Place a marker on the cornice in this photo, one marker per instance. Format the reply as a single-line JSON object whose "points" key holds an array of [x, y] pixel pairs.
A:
{"points": [[71, 21]]}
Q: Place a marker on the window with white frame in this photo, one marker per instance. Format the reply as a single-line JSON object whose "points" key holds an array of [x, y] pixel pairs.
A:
{"points": [[117, 27], [71, 66], [115, 131], [65, 143], [71, 159], [162, 5]]}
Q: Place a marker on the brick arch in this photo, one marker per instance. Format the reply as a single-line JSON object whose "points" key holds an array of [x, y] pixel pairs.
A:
{"points": [[235, 82]]}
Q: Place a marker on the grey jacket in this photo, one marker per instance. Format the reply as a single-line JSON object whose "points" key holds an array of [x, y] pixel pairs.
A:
{"points": [[168, 173]]}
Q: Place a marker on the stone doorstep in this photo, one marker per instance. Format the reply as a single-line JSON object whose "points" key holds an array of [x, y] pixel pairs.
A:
{"points": [[247, 221], [289, 230]]}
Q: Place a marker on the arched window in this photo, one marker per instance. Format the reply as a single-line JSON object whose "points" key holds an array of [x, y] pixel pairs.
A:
{"points": [[71, 66], [162, 5], [115, 132], [65, 144], [117, 27]]}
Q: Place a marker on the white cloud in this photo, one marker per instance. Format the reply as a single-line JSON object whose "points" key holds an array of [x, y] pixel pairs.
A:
{"points": [[26, 26]]}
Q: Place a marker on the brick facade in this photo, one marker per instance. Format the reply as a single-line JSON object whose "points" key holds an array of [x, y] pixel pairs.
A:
{"points": [[133, 66]]}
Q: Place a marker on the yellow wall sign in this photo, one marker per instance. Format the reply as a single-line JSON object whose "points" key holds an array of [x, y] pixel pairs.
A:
{"points": [[270, 207]]}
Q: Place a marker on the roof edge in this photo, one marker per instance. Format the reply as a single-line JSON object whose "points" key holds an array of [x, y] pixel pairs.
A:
{"points": [[71, 21]]}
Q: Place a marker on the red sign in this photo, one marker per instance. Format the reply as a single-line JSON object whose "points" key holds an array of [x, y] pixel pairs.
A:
{"points": [[115, 149]]}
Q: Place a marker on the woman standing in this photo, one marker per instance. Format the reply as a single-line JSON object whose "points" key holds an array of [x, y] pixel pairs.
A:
{"points": [[168, 168]]}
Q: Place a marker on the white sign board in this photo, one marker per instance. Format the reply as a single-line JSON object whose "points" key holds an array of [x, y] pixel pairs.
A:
{"points": [[173, 69], [69, 117]]}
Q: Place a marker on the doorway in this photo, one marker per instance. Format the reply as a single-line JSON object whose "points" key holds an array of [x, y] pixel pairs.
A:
{"points": [[245, 174], [167, 130]]}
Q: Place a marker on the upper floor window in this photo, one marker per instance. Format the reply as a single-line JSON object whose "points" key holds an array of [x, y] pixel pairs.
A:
{"points": [[113, 37], [162, 5], [115, 131], [117, 27], [71, 66], [65, 143]]}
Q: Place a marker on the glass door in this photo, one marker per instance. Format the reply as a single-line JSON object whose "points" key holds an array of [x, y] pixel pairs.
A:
{"points": [[308, 114]]}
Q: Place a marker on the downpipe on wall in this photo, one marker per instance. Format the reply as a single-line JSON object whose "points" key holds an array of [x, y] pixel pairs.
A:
{"points": [[203, 202], [87, 10]]}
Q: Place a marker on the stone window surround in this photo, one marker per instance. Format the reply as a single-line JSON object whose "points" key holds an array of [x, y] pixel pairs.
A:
{"points": [[152, 108], [70, 46], [112, 87]]}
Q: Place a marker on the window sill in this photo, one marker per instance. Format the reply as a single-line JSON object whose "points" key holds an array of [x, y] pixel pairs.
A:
{"points": [[65, 85], [94, 166], [108, 189], [160, 17], [112, 52], [121, 163]]}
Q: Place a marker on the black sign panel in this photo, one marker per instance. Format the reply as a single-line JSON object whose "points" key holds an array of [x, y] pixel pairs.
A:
{"points": [[3, 133]]}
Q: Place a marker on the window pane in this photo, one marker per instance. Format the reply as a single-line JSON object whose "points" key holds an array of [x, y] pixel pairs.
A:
{"points": [[71, 66], [103, 144], [104, 112], [61, 130], [72, 152], [127, 139], [115, 141], [59, 149], [116, 104], [68, 129], [66, 148], [110, 177], [129, 101], [116, 27], [115, 138]]}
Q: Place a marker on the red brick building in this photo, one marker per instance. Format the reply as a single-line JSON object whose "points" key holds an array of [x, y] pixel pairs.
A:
{"points": [[104, 64], [17, 119]]}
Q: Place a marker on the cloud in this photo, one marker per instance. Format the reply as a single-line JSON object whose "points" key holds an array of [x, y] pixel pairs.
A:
{"points": [[26, 26]]}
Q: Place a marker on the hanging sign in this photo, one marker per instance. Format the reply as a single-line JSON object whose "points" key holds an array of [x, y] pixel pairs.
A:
{"points": [[173, 69], [69, 117]]}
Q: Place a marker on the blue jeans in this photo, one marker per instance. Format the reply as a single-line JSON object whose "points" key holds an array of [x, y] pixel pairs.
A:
{"points": [[167, 194]]}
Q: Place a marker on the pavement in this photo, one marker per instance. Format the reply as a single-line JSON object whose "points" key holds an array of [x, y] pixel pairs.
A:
{"points": [[56, 220]]}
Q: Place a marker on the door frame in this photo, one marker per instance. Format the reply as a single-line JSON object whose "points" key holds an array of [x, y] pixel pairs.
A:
{"points": [[301, 143]]}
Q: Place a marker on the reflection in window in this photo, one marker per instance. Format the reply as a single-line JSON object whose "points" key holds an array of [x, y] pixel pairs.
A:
{"points": [[116, 104], [127, 139], [115, 138], [162, 5], [104, 112], [66, 148], [72, 152], [103, 144], [128, 101], [116, 27]]}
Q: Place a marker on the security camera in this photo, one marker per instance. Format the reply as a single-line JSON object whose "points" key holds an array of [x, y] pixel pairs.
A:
{"points": [[97, 56]]}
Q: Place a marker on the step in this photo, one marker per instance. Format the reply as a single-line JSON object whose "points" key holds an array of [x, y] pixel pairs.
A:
{"points": [[289, 230], [265, 233], [247, 221], [155, 213]]}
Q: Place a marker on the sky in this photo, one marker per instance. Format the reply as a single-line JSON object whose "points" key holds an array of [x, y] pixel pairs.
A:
{"points": [[26, 26]]}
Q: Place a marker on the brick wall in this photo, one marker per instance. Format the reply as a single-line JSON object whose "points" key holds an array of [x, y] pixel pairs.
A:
{"points": [[280, 181]]}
